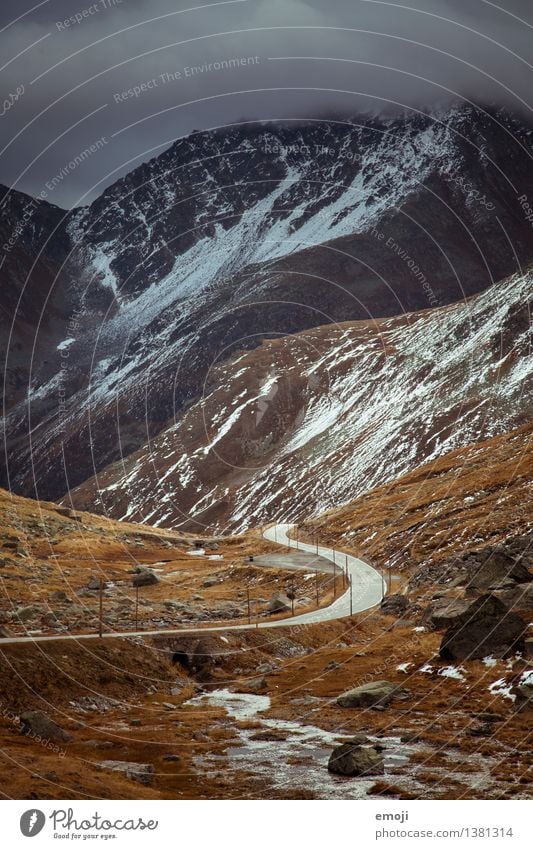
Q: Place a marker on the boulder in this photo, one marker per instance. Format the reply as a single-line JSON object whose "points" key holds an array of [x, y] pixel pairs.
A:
{"points": [[351, 759], [367, 695], [394, 605], [528, 648], [486, 627], [279, 603], [146, 578], [445, 612], [36, 723]]}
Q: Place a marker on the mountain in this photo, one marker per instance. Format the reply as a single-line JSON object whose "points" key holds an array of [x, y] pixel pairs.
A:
{"points": [[33, 310], [233, 236], [312, 420]]}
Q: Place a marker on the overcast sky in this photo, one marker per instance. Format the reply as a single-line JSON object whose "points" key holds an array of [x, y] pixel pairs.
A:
{"points": [[67, 81]]}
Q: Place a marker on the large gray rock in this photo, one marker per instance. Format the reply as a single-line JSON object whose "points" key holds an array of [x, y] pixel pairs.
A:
{"points": [[485, 627], [445, 612], [36, 723], [351, 759], [279, 603], [146, 578], [373, 693]]}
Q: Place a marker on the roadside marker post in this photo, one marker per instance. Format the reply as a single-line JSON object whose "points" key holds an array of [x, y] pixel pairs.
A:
{"points": [[351, 596], [101, 610], [248, 600], [292, 594], [136, 608], [316, 585]]}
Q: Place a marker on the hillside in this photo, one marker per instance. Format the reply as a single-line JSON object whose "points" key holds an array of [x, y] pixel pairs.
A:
{"points": [[312, 420]]}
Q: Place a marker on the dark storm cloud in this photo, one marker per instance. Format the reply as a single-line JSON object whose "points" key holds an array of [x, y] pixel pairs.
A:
{"points": [[117, 81]]}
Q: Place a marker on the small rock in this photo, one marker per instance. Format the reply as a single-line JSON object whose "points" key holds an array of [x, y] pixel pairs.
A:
{"points": [[368, 695], [143, 773], [256, 684], [146, 578], [483, 729]]}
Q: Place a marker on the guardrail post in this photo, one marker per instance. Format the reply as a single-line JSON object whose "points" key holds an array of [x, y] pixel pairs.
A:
{"points": [[101, 609]]}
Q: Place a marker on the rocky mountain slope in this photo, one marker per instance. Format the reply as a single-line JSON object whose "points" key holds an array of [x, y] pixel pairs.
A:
{"points": [[313, 420], [232, 236]]}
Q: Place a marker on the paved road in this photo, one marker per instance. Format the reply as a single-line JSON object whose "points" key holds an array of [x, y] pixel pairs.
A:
{"points": [[367, 591]]}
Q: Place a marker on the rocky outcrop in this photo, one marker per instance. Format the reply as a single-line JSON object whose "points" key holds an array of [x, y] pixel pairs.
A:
{"points": [[36, 723], [485, 627], [352, 759], [492, 567], [368, 695]]}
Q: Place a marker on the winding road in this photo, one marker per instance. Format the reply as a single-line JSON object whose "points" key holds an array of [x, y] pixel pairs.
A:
{"points": [[367, 590]]}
